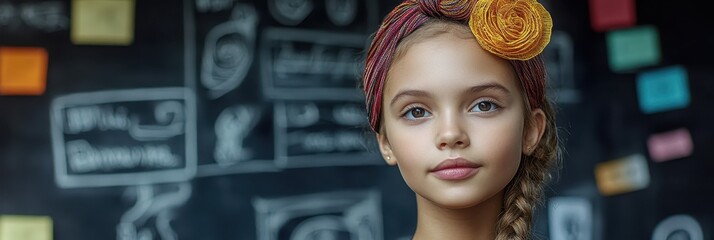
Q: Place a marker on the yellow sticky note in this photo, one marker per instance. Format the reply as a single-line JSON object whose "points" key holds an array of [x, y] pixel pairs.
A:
{"points": [[23, 70], [102, 22], [25, 227], [622, 175]]}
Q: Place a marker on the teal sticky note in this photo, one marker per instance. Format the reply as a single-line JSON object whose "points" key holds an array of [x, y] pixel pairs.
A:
{"points": [[663, 89], [632, 48]]}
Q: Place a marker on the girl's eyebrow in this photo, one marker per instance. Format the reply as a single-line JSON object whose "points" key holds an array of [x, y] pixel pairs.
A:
{"points": [[488, 86], [408, 92]]}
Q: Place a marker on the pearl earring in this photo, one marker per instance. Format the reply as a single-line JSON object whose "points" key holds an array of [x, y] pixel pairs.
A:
{"points": [[389, 158]]}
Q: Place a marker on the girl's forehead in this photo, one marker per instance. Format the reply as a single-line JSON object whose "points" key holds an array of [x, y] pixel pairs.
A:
{"points": [[438, 60]]}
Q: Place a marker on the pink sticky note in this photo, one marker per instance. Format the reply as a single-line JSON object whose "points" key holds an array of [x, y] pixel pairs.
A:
{"points": [[611, 14], [670, 145]]}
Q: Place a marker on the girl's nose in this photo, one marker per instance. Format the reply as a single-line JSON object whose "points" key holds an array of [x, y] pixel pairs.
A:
{"points": [[451, 133]]}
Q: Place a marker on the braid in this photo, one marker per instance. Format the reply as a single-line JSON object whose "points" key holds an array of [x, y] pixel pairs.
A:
{"points": [[525, 192]]}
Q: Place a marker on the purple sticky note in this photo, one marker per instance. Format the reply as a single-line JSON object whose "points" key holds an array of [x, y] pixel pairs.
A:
{"points": [[670, 145]]}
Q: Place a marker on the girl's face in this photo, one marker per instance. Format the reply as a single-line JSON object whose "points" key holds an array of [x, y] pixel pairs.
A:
{"points": [[453, 119]]}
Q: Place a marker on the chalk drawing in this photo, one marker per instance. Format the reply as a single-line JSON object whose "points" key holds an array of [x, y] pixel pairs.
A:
{"points": [[151, 203], [330, 215], [290, 12], [232, 127], [341, 12], [229, 52], [85, 128]]}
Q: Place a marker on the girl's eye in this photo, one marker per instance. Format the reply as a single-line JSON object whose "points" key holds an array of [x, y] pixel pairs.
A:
{"points": [[416, 113], [485, 106]]}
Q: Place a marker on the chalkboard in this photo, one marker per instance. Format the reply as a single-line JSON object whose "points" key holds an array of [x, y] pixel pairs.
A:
{"points": [[218, 120], [227, 119]]}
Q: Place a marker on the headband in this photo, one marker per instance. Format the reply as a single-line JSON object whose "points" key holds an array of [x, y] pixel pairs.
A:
{"points": [[516, 30]]}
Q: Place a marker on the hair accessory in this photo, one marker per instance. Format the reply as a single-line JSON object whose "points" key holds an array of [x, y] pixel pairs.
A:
{"points": [[511, 29]]}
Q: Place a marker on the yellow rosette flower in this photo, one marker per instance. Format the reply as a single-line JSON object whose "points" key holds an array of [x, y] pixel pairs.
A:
{"points": [[511, 29]]}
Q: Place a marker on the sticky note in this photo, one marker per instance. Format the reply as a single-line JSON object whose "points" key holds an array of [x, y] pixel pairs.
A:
{"points": [[663, 89], [670, 145], [622, 175], [102, 22], [23, 70], [632, 48], [14, 227], [570, 218], [611, 14]]}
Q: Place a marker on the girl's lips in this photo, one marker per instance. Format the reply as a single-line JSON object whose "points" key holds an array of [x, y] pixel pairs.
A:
{"points": [[455, 169]]}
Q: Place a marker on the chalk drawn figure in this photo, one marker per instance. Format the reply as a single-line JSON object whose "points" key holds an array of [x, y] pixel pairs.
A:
{"points": [[290, 12], [169, 115], [229, 52], [46, 16], [324, 216], [559, 61], [135, 224], [341, 12], [232, 127]]}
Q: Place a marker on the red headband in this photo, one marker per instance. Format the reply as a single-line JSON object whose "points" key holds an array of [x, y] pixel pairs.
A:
{"points": [[410, 15]]}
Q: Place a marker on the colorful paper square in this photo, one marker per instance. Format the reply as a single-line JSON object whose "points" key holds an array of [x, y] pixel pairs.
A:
{"points": [[102, 22], [663, 89], [622, 175], [633, 48], [13, 227], [611, 14], [670, 145], [23, 70]]}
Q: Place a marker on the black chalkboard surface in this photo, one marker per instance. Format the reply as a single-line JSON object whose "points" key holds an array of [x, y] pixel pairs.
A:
{"points": [[232, 119], [219, 120]]}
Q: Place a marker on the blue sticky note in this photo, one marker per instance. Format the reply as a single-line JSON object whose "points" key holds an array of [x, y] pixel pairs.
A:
{"points": [[663, 89], [633, 48]]}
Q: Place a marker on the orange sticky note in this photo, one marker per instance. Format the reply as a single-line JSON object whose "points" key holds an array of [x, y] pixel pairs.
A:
{"points": [[23, 70], [622, 175]]}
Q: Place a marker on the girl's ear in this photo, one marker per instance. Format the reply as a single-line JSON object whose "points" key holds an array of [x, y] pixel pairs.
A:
{"points": [[534, 131], [386, 149]]}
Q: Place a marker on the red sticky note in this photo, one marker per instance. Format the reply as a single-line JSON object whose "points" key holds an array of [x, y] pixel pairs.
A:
{"points": [[23, 70], [670, 145], [611, 14]]}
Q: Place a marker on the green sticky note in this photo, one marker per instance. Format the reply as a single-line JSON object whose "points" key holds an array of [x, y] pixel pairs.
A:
{"points": [[13, 227], [633, 48], [663, 89]]}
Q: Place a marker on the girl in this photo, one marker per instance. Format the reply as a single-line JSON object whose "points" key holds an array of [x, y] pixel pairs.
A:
{"points": [[455, 91]]}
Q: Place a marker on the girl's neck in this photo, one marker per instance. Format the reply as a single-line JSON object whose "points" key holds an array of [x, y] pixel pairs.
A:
{"points": [[476, 222]]}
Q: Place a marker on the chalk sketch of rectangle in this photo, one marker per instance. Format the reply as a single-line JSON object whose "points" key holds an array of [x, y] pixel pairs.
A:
{"points": [[65, 180], [283, 159], [559, 61], [356, 212], [570, 218], [271, 89], [663, 89]]}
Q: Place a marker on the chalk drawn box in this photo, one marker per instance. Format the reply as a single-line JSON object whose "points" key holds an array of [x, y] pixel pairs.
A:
{"points": [[124, 137], [330, 215], [321, 134], [310, 64]]}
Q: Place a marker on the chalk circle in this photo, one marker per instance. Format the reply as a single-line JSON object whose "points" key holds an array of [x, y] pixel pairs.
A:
{"points": [[678, 227]]}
